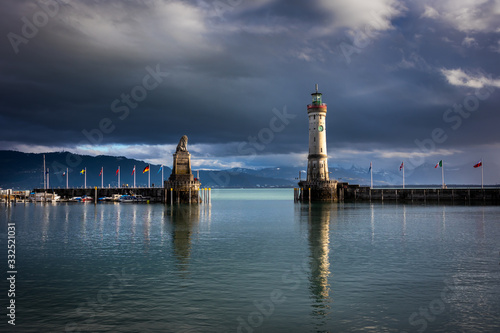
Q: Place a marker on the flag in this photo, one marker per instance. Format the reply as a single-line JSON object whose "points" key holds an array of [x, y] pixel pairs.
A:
{"points": [[117, 170], [146, 169], [133, 171], [160, 168], [370, 167], [402, 165], [64, 173], [440, 164], [100, 173], [83, 171], [478, 164]]}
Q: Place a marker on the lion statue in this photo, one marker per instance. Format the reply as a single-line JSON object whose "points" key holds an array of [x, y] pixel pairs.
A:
{"points": [[182, 146]]}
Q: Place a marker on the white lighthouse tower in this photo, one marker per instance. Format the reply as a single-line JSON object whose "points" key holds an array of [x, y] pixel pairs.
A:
{"points": [[317, 186], [317, 166]]}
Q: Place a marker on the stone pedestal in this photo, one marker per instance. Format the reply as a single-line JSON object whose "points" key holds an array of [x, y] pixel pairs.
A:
{"points": [[181, 186], [181, 170], [318, 191]]}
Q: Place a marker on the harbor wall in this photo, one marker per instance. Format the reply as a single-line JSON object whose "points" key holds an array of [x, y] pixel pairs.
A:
{"points": [[354, 193], [344, 193]]}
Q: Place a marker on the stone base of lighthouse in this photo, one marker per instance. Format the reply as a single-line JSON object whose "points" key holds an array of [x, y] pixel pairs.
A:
{"points": [[319, 190]]}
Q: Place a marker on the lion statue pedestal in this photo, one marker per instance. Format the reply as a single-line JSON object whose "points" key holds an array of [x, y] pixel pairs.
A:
{"points": [[181, 187]]}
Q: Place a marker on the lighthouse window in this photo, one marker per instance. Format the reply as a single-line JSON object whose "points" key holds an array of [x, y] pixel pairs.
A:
{"points": [[321, 149]]}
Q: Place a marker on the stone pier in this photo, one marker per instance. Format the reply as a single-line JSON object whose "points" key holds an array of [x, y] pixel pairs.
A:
{"points": [[344, 192]]}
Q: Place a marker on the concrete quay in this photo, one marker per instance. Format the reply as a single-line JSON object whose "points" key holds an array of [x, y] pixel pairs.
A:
{"points": [[465, 196], [344, 192]]}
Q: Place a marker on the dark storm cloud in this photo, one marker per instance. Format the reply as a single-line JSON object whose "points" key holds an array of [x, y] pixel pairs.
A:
{"points": [[228, 68]]}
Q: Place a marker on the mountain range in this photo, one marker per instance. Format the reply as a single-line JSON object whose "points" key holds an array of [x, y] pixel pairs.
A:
{"points": [[24, 171]]}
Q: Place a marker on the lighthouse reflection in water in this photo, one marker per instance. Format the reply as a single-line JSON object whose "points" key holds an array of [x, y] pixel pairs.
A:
{"points": [[317, 218]]}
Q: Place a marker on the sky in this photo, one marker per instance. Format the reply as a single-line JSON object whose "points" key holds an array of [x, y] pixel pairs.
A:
{"points": [[417, 81]]}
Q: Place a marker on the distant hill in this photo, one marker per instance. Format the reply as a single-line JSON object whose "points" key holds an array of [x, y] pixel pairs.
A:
{"points": [[24, 171]]}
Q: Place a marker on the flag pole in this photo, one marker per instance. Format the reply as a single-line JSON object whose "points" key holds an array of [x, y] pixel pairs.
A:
{"points": [[119, 177], [403, 174], [149, 175], [67, 172], [47, 175], [162, 179], [371, 175], [482, 168], [44, 174], [102, 177], [85, 181], [134, 176], [442, 172]]}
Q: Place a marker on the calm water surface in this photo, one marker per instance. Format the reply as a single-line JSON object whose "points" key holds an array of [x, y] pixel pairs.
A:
{"points": [[254, 261]]}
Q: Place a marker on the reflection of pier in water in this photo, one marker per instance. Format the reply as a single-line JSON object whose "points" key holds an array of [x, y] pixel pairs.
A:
{"points": [[183, 220], [317, 217]]}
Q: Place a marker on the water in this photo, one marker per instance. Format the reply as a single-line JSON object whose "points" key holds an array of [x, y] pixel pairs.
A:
{"points": [[254, 261]]}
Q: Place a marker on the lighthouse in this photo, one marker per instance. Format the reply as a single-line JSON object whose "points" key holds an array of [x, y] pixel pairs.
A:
{"points": [[317, 186], [317, 166]]}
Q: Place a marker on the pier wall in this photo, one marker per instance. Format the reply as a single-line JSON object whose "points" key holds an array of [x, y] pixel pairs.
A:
{"points": [[344, 193], [354, 193]]}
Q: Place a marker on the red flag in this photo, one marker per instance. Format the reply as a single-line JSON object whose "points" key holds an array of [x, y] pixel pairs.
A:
{"points": [[402, 165], [146, 169], [117, 170], [100, 173], [133, 171], [478, 164]]}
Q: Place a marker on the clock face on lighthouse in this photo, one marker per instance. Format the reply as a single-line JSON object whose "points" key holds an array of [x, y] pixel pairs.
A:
{"points": [[320, 128]]}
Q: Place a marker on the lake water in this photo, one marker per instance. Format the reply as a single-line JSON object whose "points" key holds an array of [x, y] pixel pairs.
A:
{"points": [[254, 261]]}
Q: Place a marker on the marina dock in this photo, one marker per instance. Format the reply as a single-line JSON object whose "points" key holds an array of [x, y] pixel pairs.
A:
{"points": [[151, 194]]}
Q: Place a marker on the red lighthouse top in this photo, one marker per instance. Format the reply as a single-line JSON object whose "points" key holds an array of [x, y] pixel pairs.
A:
{"points": [[317, 104]]}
